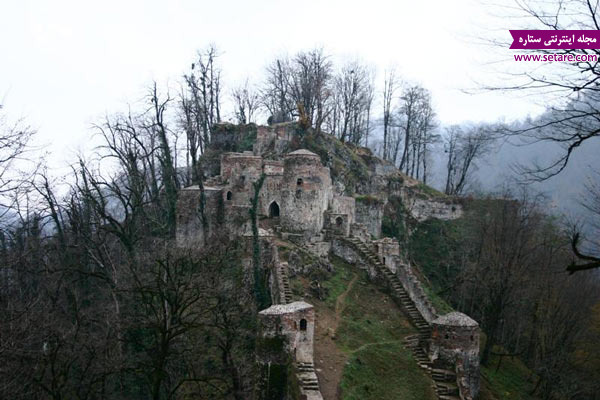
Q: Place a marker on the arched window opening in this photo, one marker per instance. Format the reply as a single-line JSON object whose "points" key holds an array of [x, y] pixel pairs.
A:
{"points": [[299, 182], [384, 260], [229, 195], [302, 324], [274, 210], [339, 222]]}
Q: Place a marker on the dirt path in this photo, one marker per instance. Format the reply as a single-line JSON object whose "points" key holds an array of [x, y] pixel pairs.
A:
{"points": [[340, 302], [329, 360]]}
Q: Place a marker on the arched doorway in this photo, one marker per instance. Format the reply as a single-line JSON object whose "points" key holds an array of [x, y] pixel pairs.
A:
{"points": [[339, 222], [274, 210], [229, 196]]}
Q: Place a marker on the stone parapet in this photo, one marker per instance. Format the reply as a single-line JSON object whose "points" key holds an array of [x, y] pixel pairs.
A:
{"points": [[415, 290]]}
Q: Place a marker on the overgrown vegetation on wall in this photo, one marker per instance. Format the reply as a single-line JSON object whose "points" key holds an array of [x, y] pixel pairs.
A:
{"points": [[394, 223], [345, 165], [261, 276], [235, 138]]}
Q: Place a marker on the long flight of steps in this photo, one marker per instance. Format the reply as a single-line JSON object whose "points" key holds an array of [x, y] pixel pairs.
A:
{"points": [[444, 380], [284, 283]]}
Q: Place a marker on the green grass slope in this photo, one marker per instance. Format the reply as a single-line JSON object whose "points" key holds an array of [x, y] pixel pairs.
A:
{"points": [[370, 331]]}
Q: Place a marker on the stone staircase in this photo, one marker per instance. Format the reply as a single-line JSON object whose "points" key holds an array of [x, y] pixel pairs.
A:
{"points": [[412, 343], [305, 371], [284, 283], [444, 381], [408, 305], [309, 383]]}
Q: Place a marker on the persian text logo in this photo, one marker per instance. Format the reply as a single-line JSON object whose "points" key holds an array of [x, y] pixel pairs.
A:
{"points": [[557, 57], [555, 39]]}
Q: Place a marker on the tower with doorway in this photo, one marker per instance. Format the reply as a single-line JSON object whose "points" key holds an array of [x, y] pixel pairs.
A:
{"points": [[305, 192], [295, 323], [455, 341]]}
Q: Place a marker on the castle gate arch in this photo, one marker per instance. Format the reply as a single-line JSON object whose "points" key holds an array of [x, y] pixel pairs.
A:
{"points": [[274, 210]]}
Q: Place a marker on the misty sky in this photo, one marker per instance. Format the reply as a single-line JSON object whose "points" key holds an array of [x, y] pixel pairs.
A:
{"points": [[66, 63]]}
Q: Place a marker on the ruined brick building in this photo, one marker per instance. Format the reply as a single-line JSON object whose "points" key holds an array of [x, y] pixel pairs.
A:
{"points": [[297, 193]]}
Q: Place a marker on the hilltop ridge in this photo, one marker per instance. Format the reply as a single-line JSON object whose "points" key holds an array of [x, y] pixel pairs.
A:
{"points": [[282, 185]]}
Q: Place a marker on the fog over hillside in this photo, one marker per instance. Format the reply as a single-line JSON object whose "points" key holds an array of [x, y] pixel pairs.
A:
{"points": [[499, 170], [563, 190]]}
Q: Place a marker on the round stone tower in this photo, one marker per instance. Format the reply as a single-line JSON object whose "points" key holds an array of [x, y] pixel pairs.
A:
{"points": [[306, 191], [455, 342]]}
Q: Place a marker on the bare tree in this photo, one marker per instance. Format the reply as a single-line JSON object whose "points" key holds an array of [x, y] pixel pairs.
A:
{"points": [[408, 114], [590, 202], [158, 127], [274, 93], [426, 137], [453, 132], [419, 115], [55, 344], [349, 118], [464, 146], [246, 101], [508, 276], [571, 89], [299, 85], [15, 169], [200, 105], [309, 84], [389, 91]]}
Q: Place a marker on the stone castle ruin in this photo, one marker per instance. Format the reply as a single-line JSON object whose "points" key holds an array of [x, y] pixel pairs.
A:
{"points": [[303, 201], [297, 196]]}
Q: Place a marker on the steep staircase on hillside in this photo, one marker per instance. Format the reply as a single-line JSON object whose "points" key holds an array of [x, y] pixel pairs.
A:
{"points": [[407, 303], [284, 283], [412, 343], [444, 381], [305, 371]]}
